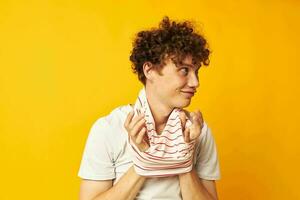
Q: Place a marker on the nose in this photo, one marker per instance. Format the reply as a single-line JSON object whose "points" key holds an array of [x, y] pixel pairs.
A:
{"points": [[193, 80]]}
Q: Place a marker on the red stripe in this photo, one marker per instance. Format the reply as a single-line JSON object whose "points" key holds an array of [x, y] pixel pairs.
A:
{"points": [[148, 116], [155, 157], [151, 123], [160, 136], [163, 159], [188, 149], [167, 167], [159, 168], [165, 130], [160, 158], [163, 166], [146, 153], [168, 145], [172, 152]]}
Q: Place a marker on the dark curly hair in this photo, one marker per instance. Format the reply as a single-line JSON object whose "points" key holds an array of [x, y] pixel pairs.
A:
{"points": [[173, 40]]}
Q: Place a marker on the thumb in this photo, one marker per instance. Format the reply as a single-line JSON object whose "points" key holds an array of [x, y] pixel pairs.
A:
{"points": [[146, 138], [187, 135], [182, 117]]}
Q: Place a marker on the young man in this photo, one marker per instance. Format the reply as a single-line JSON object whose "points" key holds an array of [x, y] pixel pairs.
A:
{"points": [[154, 149]]}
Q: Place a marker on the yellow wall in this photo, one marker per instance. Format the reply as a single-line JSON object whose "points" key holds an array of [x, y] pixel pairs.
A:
{"points": [[64, 64]]}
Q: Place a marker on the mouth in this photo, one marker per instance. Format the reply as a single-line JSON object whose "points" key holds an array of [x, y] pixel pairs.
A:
{"points": [[188, 94]]}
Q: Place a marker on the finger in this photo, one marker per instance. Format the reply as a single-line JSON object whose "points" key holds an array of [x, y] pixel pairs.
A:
{"points": [[140, 136], [137, 127], [199, 118], [194, 132], [135, 120], [182, 117], [146, 139], [187, 113], [198, 114], [128, 119], [187, 135], [192, 117], [196, 118], [196, 125]]}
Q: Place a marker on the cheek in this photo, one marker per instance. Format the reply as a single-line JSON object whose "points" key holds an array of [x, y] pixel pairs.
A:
{"points": [[177, 80], [180, 80]]}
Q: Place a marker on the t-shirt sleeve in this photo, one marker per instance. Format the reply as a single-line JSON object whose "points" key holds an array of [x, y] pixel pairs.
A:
{"points": [[207, 163], [97, 160]]}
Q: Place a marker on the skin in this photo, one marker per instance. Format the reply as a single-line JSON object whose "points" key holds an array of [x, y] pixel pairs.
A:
{"points": [[165, 91]]}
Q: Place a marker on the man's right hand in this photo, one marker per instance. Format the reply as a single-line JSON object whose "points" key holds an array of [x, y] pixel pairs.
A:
{"points": [[137, 130]]}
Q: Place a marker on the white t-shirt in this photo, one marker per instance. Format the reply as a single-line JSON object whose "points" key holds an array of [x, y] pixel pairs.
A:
{"points": [[107, 157]]}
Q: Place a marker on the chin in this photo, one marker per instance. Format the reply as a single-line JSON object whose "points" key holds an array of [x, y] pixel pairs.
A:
{"points": [[184, 104]]}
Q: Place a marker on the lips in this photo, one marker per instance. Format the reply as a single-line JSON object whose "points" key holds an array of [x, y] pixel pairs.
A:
{"points": [[188, 93]]}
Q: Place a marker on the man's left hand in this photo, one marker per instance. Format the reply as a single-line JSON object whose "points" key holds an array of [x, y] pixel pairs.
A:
{"points": [[193, 131]]}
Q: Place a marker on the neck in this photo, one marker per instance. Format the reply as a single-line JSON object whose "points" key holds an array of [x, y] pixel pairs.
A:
{"points": [[160, 112]]}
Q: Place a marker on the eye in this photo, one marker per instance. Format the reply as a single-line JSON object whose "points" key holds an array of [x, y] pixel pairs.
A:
{"points": [[184, 70]]}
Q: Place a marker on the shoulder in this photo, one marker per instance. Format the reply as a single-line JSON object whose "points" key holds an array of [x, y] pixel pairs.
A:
{"points": [[205, 132], [118, 115], [206, 137], [107, 125]]}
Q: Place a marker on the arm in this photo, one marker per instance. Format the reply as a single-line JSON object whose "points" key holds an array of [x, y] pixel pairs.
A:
{"points": [[125, 189], [192, 187], [130, 183]]}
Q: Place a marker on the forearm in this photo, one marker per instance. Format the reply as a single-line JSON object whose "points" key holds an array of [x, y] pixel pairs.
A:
{"points": [[192, 188], [125, 189]]}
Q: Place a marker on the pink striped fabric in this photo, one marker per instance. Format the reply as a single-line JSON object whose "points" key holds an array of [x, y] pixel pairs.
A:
{"points": [[168, 154]]}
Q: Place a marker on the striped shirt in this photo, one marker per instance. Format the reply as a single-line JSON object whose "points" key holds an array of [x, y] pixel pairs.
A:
{"points": [[168, 153]]}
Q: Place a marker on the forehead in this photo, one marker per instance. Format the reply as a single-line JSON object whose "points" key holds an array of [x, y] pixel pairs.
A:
{"points": [[187, 61]]}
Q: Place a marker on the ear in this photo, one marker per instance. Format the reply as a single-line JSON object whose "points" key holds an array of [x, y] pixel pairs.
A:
{"points": [[148, 70]]}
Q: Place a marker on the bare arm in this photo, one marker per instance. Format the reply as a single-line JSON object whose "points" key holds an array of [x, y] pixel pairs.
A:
{"points": [[125, 189], [193, 187]]}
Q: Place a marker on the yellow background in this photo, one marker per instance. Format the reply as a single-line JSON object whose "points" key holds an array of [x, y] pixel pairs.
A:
{"points": [[66, 63]]}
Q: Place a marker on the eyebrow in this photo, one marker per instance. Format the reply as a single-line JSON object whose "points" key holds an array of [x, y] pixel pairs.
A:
{"points": [[192, 66]]}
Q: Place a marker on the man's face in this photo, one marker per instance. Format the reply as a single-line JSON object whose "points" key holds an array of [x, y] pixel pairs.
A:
{"points": [[177, 84]]}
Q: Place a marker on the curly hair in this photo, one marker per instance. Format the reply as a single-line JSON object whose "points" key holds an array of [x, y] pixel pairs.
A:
{"points": [[173, 40]]}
